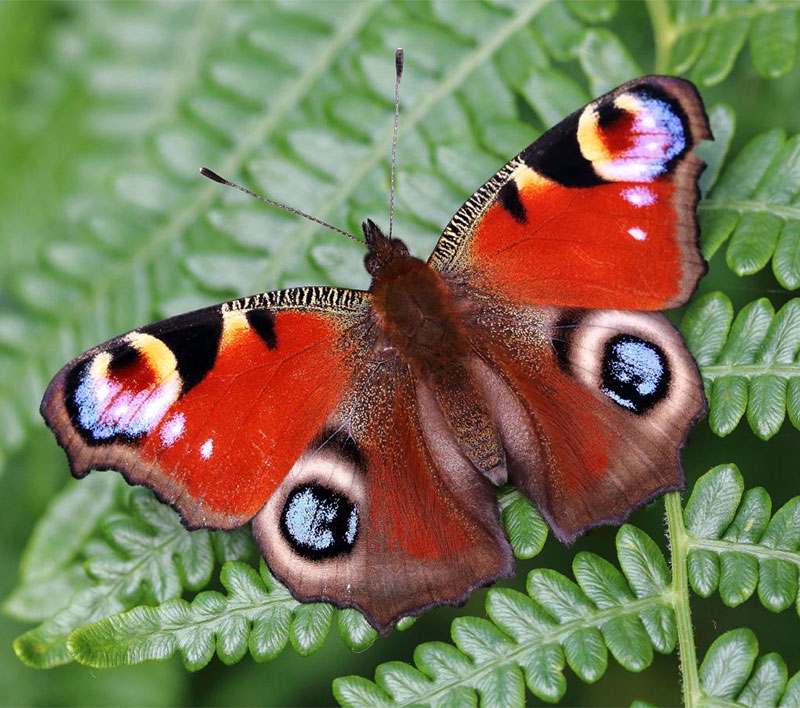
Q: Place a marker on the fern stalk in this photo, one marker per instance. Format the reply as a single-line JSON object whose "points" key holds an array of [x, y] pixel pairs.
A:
{"points": [[380, 149], [664, 34], [679, 550]]}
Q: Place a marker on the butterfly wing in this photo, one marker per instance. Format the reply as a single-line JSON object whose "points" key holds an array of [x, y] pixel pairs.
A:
{"points": [[383, 512], [598, 212], [593, 407], [210, 409], [277, 407]]}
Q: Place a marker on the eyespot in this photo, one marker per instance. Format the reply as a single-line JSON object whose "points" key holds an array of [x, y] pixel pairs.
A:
{"points": [[318, 522], [635, 373]]}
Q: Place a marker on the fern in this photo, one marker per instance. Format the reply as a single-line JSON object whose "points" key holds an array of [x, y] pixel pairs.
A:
{"points": [[750, 363], [144, 553], [703, 39], [530, 638], [257, 614], [753, 205], [295, 100], [737, 545], [165, 240], [732, 673]]}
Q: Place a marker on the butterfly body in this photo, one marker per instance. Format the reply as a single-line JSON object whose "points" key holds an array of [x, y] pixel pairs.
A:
{"points": [[363, 433]]}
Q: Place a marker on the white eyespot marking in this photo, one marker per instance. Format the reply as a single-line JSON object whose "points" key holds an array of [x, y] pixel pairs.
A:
{"points": [[318, 522], [639, 196], [634, 373], [106, 409], [637, 233], [206, 449], [656, 137], [307, 520], [352, 526], [172, 430]]}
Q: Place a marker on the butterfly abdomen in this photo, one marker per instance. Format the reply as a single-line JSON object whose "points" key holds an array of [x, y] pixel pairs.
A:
{"points": [[422, 321]]}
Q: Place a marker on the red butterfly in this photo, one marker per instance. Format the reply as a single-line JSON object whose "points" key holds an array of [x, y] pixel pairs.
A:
{"points": [[363, 433]]}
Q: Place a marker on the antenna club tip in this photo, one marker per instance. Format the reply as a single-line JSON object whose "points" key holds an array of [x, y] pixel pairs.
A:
{"points": [[211, 175], [398, 60]]}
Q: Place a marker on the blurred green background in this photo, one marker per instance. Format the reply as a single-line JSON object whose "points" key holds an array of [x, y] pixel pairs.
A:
{"points": [[107, 110]]}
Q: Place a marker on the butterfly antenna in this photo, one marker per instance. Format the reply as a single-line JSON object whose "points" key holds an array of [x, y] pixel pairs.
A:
{"points": [[216, 178], [398, 73]]}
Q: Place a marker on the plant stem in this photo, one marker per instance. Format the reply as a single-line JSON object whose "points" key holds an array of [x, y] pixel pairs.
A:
{"points": [[663, 33], [679, 546]]}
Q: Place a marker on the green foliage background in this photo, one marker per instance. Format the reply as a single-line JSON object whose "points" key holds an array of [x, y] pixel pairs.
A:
{"points": [[109, 108]]}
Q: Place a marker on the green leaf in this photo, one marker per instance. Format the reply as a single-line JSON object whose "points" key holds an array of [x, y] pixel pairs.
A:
{"points": [[605, 61], [713, 503], [773, 42], [705, 38], [736, 545], [254, 615], [751, 364], [722, 120], [146, 553], [728, 664], [527, 531], [528, 639], [753, 205], [733, 673], [48, 571]]}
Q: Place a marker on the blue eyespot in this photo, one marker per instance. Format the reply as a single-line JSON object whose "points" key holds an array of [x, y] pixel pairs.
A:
{"points": [[318, 522], [635, 373]]}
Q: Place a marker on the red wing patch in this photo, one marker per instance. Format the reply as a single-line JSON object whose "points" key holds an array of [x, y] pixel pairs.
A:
{"points": [[212, 408], [382, 512], [599, 212]]}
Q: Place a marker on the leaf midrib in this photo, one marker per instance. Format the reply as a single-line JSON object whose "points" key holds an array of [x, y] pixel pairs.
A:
{"points": [[555, 635], [784, 211], [750, 371], [750, 549]]}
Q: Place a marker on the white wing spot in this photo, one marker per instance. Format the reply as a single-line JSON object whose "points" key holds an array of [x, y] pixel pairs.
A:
{"points": [[637, 233], [639, 196], [206, 449], [172, 430]]}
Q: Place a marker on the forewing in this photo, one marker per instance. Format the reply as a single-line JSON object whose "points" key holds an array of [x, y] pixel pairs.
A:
{"points": [[599, 212], [212, 408]]}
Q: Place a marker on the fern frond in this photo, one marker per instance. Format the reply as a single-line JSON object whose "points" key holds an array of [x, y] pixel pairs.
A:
{"points": [[753, 205], [145, 553], [529, 639], [49, 570], [736, 544], [732, 673], [749, 364], [257, 613], [703, 39]]}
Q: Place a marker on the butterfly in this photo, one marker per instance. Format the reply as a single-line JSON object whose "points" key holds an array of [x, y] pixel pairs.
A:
{"points": [[364, 433]]}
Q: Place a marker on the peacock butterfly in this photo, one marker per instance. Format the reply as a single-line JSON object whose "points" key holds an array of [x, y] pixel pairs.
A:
{"points": [[364, 432]]}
